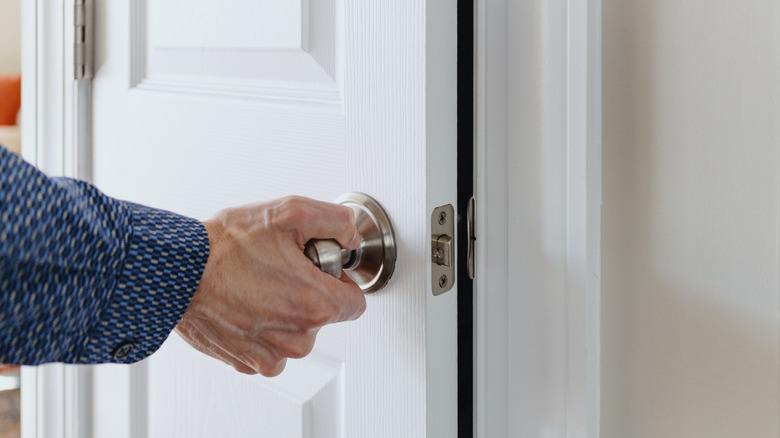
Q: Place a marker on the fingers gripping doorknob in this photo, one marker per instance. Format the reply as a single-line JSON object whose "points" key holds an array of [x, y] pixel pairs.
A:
{"points": [[370, 265]]}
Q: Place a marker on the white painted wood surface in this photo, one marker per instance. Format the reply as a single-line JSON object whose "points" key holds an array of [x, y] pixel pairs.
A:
{"points": [[112, 383], [691, 212], [191, 124], [538, 185], [55, 398]]}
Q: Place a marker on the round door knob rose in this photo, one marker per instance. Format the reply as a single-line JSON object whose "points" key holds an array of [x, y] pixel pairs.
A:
{"points": [[372, 264]]}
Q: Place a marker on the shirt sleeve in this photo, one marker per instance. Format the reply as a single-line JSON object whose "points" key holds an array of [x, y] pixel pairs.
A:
{"points": [[85, 278]]}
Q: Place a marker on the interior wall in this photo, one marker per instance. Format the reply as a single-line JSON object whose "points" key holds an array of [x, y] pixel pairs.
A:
{"points": [[10, 36], [690, 218]]}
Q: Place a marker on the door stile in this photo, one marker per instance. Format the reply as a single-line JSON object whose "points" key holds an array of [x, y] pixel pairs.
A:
{"points": [[410, 171]]}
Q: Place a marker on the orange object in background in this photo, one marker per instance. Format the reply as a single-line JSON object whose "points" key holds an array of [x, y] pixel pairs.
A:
{"points": [[4, 368], [10, 99]]}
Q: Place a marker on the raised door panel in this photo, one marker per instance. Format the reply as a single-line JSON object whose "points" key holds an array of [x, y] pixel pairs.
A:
{"points": [[212, 119], [278, 98], [306, 401], [242, 48], [247, 107]]}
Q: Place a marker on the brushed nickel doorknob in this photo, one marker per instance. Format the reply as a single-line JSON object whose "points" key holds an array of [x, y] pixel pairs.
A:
{"points": [[370, 265]]}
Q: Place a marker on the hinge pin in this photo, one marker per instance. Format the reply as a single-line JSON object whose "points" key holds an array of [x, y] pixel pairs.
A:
{"points": [[82, 49]]}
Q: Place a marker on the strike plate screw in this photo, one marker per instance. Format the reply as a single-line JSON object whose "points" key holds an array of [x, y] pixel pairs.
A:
{"points": [[443, 281], [442, 218]]}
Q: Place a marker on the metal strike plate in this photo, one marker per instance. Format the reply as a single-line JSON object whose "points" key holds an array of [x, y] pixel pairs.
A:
{"points": [[443, 249]]}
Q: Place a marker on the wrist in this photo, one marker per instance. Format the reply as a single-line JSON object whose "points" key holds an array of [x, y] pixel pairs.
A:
{"points": [[214, 231]]}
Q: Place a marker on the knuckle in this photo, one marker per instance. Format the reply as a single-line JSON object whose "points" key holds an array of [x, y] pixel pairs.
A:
{"points": [[352, 302], [319, 315], [295, 206], [289, 210], [243, 369], [347, 216], [272, 369], [317, 309], [292, 213], [361, 308], [300, 348]]}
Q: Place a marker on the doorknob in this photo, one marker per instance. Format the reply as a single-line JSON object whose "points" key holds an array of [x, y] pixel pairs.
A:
{"points": [[370, 265]]}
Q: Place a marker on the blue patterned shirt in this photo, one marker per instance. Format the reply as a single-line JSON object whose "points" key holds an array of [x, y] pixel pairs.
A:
{"points": [[85, 278]]}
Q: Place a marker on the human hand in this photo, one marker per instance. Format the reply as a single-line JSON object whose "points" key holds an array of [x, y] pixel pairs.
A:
{"points": [[260, 300]]}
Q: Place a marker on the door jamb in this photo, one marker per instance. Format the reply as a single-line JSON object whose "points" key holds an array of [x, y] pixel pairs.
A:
{"points": [[572, 28], [56, 398]]}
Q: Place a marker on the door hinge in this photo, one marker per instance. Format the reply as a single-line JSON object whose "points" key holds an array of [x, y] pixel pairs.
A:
{"points": [[82, 41]]}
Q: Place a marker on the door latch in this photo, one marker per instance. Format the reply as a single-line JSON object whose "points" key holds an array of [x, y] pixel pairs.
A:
{"points": [[443, 249]]}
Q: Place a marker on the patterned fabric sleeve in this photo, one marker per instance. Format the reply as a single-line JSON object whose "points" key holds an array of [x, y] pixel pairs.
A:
{"points": [[85, 278]]}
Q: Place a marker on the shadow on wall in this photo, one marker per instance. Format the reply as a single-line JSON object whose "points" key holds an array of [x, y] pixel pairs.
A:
{"points": [[690, 219], [677, 365]]}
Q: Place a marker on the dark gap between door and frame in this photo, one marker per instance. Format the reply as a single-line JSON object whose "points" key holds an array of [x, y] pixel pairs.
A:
{"points": [[465, 192]]}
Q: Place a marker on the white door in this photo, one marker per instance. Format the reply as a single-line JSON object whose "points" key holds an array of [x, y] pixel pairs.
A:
{"points": [[200, 105]]}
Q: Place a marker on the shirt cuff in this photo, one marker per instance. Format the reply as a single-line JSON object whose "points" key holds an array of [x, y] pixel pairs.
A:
{"points": [[164, 263]]}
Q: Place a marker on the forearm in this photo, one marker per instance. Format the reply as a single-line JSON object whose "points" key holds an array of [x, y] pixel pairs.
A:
{"points": [[85, 278]]}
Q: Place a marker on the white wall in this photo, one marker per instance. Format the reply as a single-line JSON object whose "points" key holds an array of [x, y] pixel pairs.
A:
{"points": [[10, 36], [690, 218]]}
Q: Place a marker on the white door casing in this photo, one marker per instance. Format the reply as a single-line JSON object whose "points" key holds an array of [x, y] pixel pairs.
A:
{"points": [[55, 398], [201, 105], [538, 178]]}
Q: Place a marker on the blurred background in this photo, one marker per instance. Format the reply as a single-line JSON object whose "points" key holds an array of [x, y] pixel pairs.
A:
{"points": [[10, 73], [10, 137]]}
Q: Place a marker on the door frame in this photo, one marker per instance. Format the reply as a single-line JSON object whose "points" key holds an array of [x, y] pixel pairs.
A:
{"points": [[512, 39], [56, 399]]}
